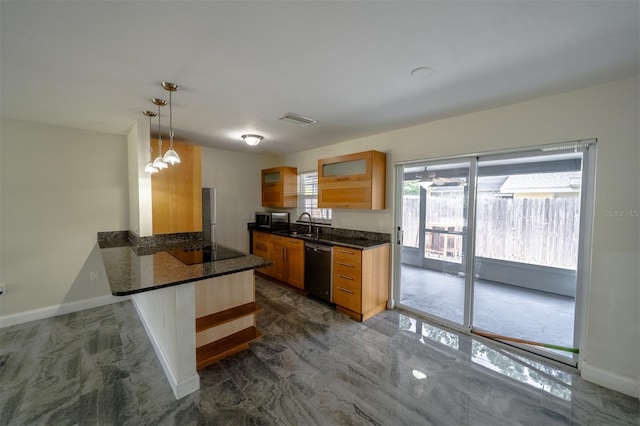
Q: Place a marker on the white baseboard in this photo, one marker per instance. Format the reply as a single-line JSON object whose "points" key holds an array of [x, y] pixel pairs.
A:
{"points": [[611, 380], [55, 310], [180, 389]]}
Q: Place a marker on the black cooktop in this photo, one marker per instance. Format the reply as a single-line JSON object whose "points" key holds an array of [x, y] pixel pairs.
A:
{"points": [[194, 254]]}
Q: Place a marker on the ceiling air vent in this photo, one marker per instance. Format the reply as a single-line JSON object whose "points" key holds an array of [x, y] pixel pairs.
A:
{"points": [[296, 119]]}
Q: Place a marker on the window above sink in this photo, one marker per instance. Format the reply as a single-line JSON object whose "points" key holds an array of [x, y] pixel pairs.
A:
{"points": [[308, 199]]}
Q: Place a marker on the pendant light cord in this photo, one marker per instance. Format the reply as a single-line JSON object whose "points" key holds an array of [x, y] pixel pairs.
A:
{"points": [[159, 133], [170, 122]]}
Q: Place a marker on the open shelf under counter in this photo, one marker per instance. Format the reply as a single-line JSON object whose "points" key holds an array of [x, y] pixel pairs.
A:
{"points": [[225, 316], [227, 346], [228, 315]]}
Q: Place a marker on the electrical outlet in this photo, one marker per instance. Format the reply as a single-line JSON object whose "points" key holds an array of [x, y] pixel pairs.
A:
{"points": [[94, 275], [3, 288]]}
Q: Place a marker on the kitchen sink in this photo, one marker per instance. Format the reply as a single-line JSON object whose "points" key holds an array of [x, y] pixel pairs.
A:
{"points": [[297, 234], [293, 234]]}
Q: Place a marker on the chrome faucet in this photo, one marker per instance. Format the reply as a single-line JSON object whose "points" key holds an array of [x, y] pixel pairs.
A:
{"points": [[310, 220]]}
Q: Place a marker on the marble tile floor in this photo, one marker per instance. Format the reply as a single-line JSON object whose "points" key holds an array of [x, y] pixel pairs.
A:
{"points": [[312, 366]]}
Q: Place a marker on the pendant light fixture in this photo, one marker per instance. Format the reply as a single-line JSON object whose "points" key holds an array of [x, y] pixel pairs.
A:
{"points": [[159, 162], [252, 140], [149, 167], [171, 156]]}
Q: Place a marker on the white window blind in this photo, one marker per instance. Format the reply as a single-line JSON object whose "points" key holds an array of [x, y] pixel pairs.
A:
{"points": [[308, 198]]}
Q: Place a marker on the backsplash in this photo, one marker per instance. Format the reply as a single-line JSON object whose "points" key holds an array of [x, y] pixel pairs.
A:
{"points": [[106, 239], [328, 231]]}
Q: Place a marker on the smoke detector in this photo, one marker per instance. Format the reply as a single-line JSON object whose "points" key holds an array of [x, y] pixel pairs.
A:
{"points": [[296, 119]]}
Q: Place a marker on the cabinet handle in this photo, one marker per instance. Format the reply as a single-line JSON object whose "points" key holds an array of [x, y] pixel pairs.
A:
{"points": [[346, 290], [346, 277], [344, 251], [345, 264], [342, 206], [342, 178]]}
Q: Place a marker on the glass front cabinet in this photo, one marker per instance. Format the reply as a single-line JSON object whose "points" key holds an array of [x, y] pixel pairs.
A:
{"points": [[279, 187], [353, 181]]}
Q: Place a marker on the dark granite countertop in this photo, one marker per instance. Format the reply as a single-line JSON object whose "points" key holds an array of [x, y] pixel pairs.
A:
{"points": [[361, 240], [133, 269]]}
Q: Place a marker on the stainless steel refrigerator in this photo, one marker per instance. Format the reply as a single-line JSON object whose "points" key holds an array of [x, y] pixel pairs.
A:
{"points": [[209, 215]]}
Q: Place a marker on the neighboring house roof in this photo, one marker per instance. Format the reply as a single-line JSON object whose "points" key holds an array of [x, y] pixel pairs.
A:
{"points": [[542, 182], [556, 182]]}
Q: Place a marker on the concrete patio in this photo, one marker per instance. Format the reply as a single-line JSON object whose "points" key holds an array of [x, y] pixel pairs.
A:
{"points": [[498, 308]]}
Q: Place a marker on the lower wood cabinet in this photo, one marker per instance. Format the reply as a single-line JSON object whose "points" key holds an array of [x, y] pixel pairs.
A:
{"points": [[361, 280], [295, 262], [262, 247], [287, 255]]}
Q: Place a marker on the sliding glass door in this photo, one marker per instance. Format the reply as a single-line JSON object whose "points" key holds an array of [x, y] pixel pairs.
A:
{"points": [[435, 214], [494, 244], [526, 249]]}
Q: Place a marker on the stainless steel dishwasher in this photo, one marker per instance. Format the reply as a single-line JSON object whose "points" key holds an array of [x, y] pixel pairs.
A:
{"points": [[317, 270]]}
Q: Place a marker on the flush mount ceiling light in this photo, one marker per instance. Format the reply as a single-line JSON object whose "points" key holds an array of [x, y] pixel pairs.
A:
{"points": [[421, 73], [252, 140], [149, 167], [159, 163], [297, 119], [171, 156]]}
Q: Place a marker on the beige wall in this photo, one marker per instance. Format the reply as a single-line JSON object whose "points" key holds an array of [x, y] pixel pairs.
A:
{"points": [[60, 186], [607, 112], [140, 211], [236, 177]]}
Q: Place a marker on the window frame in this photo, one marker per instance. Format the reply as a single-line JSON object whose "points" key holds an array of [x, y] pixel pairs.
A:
{"points": [[308, 200]]}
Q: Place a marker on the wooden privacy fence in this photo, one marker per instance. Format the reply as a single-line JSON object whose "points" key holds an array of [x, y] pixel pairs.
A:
{"points": [[540, 231]]}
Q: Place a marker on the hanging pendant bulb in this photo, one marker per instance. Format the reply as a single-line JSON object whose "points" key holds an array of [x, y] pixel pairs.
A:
{"points": [[149, 168], [159, 162], [171, 156]]}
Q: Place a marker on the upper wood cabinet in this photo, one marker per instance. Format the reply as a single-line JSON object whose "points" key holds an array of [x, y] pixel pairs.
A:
{"points": [[354, 181], [280, 187], [176, 193]]}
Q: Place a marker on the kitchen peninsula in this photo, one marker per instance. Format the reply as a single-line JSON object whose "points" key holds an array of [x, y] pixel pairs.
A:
{"points": [[194, 314]]}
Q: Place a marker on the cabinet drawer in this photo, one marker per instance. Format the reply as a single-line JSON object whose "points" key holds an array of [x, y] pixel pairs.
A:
{"points": [[293, 243], [347, 255], [347, 297], [261, 237], [261, 249], [278, 239], [349, 269], [347, 281]]}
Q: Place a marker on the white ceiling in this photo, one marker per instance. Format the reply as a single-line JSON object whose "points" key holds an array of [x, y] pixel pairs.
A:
{"points": [[241, 65]]}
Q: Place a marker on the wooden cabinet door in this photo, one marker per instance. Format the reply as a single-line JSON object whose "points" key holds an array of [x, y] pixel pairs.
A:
{"points": [[176, 193], [280, 187], [262, 247], [345, 168], [354, 181], [295, 262], [345, 195], [278, 257]]}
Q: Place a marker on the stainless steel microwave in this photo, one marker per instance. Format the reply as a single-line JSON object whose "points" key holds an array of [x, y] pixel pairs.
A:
{"points": [[272, 220]]}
